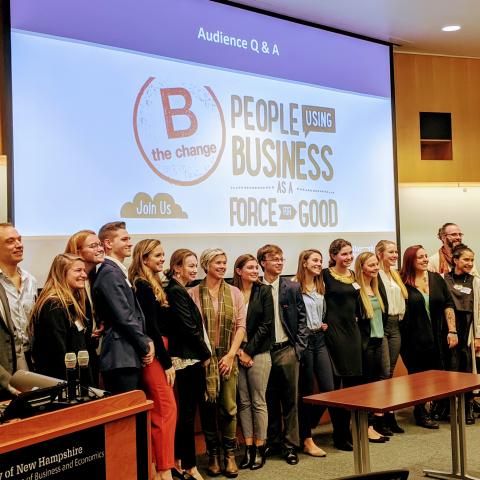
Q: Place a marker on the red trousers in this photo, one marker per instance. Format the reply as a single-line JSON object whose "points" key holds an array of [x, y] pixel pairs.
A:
{"points": [[163, 415]]}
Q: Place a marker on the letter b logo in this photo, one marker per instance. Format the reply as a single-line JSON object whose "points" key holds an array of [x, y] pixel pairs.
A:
{"points": [[183, 111]]}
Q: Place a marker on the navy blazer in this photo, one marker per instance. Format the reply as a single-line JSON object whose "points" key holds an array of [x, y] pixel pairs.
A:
{"points": [[125, 341], [293, 314], [8, 358]]}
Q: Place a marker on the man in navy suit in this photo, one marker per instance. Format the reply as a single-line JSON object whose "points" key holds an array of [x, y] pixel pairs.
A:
{"points": [[125, 347], [289, 341]]}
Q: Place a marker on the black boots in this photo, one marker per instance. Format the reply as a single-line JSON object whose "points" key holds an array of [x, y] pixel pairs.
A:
{"points": [[381, 426], [254, 457], [469, 413], [230, 465], [392, 424]]}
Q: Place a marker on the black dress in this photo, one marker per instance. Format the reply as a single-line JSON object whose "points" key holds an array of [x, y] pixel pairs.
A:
{"points": [[54, 336], [424, 336], [342, 335]]}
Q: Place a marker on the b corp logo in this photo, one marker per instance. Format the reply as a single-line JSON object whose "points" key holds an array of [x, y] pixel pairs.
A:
{"points": [[179, 130]]}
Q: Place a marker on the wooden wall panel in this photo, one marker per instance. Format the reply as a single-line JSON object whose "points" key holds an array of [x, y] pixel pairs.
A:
{"points": [[427, 83]]}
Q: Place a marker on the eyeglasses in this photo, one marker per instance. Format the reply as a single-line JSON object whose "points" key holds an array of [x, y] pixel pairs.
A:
{"points": [[94, 246], [457, 235], [276, 260]]}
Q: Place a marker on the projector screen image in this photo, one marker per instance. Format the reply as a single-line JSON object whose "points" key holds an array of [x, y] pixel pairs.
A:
{"points": [[193, 119]]}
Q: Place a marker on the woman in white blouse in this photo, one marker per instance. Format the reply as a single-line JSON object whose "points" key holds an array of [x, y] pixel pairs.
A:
{"points": [[396, 294]]}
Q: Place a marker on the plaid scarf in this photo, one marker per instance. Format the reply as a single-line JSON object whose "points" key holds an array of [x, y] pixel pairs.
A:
{"points": [[445, 261], [223, 323]]}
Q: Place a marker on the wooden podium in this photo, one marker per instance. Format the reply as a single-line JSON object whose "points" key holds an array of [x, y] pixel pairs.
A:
{"points": [[102, 439]]}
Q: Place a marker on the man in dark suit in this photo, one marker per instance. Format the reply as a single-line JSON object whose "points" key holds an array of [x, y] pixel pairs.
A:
{"points": [[289, 341], [8, 358], [125, 346]]}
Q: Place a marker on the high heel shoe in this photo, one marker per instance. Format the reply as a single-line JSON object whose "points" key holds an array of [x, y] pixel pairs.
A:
{"points": [[259, 459], [248, 457]]}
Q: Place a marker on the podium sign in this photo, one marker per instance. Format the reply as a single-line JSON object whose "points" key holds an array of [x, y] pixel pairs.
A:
{"points": [[76, 456]]}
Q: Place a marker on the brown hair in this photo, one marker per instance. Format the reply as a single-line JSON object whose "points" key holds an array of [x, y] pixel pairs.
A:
{"points": [[240, 263], [300, 276], [177, 260], [108, 230], [335, 247], [76, 241], [441, 230], [262, 252], [139, 271], [56, 288]]}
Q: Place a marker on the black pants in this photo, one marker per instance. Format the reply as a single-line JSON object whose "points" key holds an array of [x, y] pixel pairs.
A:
{"points": [[121, 380], [190, 382]]}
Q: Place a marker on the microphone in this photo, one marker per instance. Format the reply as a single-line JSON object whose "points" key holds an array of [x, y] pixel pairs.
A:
{"points": [[84, 372], [70, 366]]}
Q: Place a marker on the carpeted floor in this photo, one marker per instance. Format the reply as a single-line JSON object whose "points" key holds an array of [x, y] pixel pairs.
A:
{"points": [[416, 449]]}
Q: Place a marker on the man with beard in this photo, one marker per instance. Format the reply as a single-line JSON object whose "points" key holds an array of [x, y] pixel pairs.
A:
{"points": [[441, 262]]}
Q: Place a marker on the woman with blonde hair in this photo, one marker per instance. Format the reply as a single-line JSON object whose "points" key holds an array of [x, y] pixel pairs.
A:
{"points": [[371, 318], [190, 355], [255, 360], [223, 311], [87, 245], [157, 377], [58, 321], [395, 295], [315, 363]]}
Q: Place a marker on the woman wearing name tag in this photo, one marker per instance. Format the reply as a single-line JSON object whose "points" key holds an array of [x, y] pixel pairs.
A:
{"points": [[428, 327], [255, 360], [315, 363], [395, 293], [343, 335], [157, 377], [465, 291], [371, 320], [58, 321]]}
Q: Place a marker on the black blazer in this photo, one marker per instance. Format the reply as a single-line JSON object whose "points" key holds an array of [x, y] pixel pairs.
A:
{"points": [[422, 335], [125, 341], [260, 318], [8, 358], [293, 314], [156, 320], [185, 331], [53, 336]]}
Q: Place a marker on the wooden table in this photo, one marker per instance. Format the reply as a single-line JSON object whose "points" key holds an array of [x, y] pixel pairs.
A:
{"points": [[400, 392]]}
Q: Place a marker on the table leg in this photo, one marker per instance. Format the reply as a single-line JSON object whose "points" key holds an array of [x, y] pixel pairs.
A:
{"points": [[458, 443], [361, 454]]}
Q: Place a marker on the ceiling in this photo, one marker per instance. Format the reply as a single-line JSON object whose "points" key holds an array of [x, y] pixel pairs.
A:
{"points": [[414, 25]]}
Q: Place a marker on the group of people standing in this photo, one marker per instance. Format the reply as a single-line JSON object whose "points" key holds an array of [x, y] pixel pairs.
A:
{"points": [[252, 348]]}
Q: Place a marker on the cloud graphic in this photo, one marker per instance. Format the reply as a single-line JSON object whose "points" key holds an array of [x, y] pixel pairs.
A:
{"points": [[162, 206]]}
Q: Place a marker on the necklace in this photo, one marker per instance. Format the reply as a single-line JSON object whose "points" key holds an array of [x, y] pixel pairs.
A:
{"points": [[347, 278]]}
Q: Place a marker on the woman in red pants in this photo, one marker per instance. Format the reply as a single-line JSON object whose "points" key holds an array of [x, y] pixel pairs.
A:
{"points": [[159, 376]]}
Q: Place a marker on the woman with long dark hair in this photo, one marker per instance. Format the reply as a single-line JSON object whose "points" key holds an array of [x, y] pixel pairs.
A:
{"points": [[158, 376], [343, 335], [255, 360], [465, 291], [428, 327], [190, 354], [315, 363]]}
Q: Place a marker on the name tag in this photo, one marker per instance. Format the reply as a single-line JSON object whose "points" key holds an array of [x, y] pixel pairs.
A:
{"points": [[79, 325], [356, 286], [466, 290]]}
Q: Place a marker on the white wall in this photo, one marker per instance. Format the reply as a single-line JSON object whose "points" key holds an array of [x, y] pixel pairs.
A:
{"points": [[425, 208]]}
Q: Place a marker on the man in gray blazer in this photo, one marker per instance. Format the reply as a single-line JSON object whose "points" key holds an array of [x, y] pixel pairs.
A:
{"points": [[8, 358], [125, 347]]}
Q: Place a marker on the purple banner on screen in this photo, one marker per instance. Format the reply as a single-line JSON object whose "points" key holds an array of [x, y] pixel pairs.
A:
{"points": [[215, 34]]}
